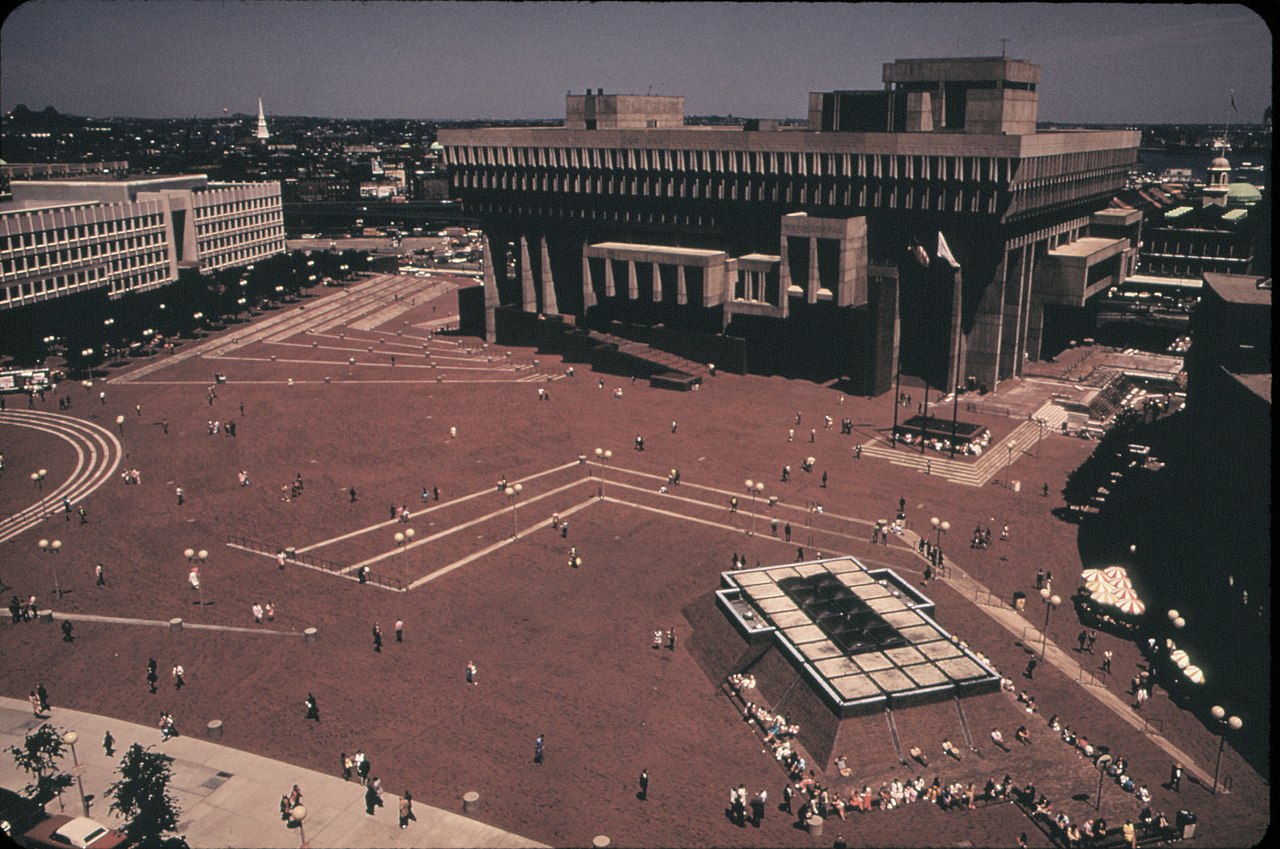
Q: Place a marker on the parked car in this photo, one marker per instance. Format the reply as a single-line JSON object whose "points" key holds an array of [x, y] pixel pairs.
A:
{"points": [[17, 813], [60, 832]]}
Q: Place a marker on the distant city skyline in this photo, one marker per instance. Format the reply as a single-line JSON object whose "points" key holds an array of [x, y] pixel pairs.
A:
{"points": [[1101, 63]]}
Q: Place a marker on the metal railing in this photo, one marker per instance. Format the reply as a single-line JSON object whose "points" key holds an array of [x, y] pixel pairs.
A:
{"points": [[342, 570]]}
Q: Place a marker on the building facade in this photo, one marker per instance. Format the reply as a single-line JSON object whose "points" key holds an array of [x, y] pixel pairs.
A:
{"points": [[125, 234], [818, 246]]}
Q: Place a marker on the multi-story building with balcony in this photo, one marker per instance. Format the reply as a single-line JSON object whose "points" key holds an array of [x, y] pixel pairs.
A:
{"points": [[126, 234], [817, 247]]}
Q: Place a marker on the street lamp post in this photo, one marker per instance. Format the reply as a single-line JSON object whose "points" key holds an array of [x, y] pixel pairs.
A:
{"points": [[120, 424], [755, 488], [298, 813], [512, 492], [940, 527], [52, 548], [70, 739], [603, 455], [1233, 723], [1050, 602], [1008, 482]]}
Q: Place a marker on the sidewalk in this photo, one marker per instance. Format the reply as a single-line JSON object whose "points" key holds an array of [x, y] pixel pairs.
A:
{"points": [[231, 798]]}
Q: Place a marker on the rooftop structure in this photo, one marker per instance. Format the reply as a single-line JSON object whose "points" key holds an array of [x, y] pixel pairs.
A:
{"points": [[864, 639]]}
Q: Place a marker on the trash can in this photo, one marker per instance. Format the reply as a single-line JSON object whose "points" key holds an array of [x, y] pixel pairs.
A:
{"points": [[815, 826], [1186, 823], [1019, 601]]}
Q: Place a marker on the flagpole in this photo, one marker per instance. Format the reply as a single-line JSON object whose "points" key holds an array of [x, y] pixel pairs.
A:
{"points": [[897, 396], [955, 383], [926, 414]]}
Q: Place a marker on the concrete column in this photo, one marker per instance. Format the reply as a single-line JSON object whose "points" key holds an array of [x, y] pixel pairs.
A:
{"points": [[528, 298], [682, 291], [657, 284], [490, 293], [610, 289], [588, 288], [633, 283], [549, 305], [811, 290]]}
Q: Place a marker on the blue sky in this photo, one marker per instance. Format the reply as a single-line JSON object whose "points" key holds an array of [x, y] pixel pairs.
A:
{"points": [[1111, 63]]}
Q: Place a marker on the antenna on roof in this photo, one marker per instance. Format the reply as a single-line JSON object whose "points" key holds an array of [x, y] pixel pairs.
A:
{"points": [[1003, 42]]}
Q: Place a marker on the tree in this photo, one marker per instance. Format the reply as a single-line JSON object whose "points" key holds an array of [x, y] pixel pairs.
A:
{"points": [[39, 756], [142, 797]]}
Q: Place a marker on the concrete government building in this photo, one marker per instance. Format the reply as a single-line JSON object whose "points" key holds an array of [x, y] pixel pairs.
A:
{"points": [[928, 220], [71, 232]]}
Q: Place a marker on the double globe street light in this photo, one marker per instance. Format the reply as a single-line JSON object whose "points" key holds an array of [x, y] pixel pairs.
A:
{"points": [[1050, 602], [1225, 723], [755, 488]]}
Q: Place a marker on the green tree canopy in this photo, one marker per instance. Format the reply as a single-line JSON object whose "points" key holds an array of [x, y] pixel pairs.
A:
{"points": [[142, 797], [39, 756]]}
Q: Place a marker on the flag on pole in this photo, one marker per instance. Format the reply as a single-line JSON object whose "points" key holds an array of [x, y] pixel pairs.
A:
{"points": [[918, 251], [944, 251]]}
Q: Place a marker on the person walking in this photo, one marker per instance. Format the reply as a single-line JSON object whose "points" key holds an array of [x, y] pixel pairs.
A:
{"points": [[758, 806], [178, 672], [181, 493], [406, 809], [151, 675], [100, 575], [671, 639], [351, 491], [66, 631], [362, 767], [399, 630], [313, 708], [1106, 661], [108, 743], [539, 749], [471, 672], [1031, 668], [371, 799], [786, 530], [377, 637], [1175, 777], [347, 766], [644, 785]]}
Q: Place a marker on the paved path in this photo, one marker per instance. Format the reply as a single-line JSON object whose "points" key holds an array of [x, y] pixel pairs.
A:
{"points": [[1016, 624], [231, 798], [98, 454]]}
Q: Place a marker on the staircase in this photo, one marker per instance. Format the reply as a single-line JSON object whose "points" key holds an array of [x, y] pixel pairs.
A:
{"points": [[971, 471]]}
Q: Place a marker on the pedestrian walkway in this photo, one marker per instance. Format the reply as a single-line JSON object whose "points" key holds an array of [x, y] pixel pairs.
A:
{"points": [[1009, 619], [231, 798]]}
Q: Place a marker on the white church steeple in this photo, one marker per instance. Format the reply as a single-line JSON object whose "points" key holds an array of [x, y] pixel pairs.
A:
{"points": [[262, 132]]}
